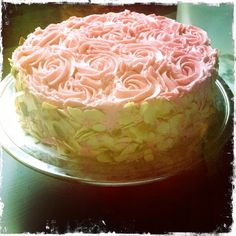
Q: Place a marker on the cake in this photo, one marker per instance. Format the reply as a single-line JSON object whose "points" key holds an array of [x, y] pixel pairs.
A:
{"points": [[124, 95]]}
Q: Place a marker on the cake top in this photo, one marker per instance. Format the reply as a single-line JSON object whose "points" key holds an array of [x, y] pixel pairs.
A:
{"points": [[114, 58]]}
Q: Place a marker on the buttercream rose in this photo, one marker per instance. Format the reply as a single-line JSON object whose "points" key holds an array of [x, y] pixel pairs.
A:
{"points": [[95, 18], [164, 23], [52, 35], [72, 40], [185, 68], [125, 17], [141, 26], [89, 46], [175, 28], [98, 66], [156, 35], [78, 91], [55, 67], [136, 87], [207, 54], [26, 56], [73, 22], [128, 28], [192, 35], [119, 33], [140, 55], [97, 30], [174, 44]]}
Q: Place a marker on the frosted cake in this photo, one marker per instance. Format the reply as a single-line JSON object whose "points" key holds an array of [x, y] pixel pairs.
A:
{"points": [[124, 95]]}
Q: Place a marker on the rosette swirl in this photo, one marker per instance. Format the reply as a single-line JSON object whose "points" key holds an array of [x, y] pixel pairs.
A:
{"points": [[184, 69], [140, 56], [192, 35], [54, 67], [52, 35], [98, 65], [76, 91], [136, 87], [26, 57], [72, 41]]}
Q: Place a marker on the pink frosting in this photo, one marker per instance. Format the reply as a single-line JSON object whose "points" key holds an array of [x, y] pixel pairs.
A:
{"points": [[114, 58]]}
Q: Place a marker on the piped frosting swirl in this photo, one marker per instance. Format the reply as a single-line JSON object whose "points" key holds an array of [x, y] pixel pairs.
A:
{"points": [[114, 58]]}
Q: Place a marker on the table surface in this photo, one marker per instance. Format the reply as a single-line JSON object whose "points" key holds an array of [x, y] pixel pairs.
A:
{"points": [[194, 201]]}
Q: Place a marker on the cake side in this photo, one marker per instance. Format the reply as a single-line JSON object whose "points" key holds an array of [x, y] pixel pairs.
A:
{"points": [[151, 136]]}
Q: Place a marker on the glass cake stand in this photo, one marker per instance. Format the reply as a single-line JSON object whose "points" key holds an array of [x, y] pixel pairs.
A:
{"points": [[45, 159]]}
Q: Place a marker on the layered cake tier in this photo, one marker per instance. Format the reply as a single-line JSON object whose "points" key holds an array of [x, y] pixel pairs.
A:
{"points": [[122, 94]]}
